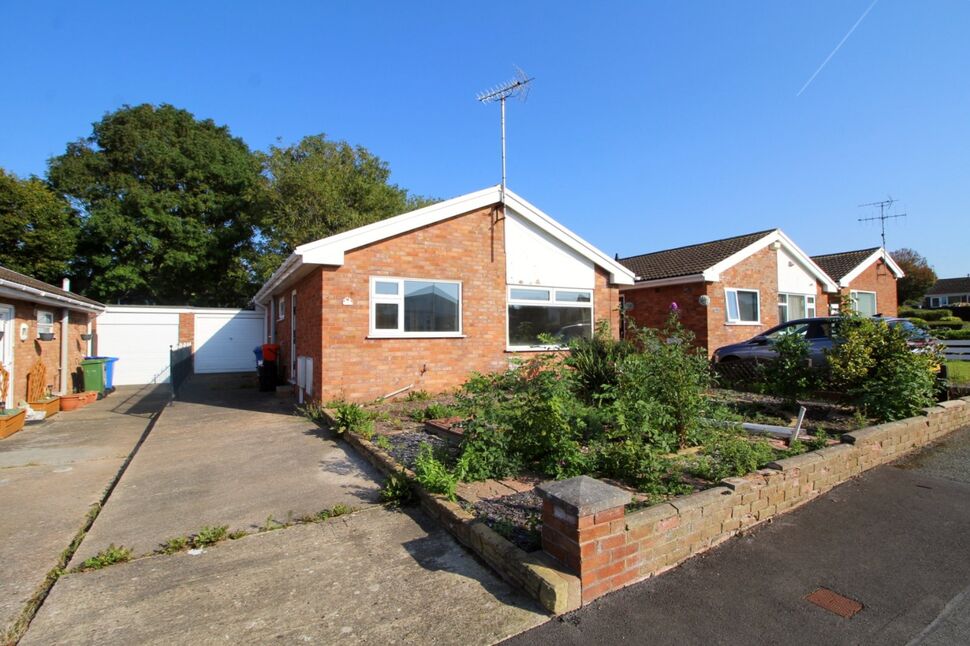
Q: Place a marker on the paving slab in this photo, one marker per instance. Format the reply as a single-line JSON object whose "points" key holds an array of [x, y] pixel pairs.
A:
{"points": [[226, 454], [375, 577], [50, 475]]}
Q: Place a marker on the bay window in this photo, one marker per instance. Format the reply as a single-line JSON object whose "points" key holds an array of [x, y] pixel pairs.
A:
{"points": [[742, 305], [564, 314], [795, 306], [406, 307]]}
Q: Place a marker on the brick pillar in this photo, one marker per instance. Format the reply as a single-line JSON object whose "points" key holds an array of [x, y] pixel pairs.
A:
{"points": [[583, 527]]}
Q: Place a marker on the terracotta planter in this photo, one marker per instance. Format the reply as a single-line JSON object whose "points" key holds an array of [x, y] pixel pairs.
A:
{"points": [[92, 396], [12, 422], [50, 406], [73, 402]]}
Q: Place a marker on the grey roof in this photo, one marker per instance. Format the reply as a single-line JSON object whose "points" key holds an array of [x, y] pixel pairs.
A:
{"points": [[837, 265], [27, 281], [951, 286], [689, 260]]}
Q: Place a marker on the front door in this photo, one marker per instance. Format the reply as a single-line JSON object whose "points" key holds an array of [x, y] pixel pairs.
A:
{"points": [[7, 325], [293, 338]]}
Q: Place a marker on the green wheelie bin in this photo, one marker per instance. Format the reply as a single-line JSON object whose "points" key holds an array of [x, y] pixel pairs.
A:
{"points": [[93, 370]]}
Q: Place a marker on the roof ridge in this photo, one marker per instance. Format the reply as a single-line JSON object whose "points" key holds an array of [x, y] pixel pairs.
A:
{"points": [[844, 253], [698, 244]]}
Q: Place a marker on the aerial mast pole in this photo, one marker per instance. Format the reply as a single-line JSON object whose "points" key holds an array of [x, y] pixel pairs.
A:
{"points": [[516, 87]]}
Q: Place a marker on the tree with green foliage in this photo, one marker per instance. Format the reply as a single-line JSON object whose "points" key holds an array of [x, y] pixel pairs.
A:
{"points": [[918, 279], [169, 206], [318, 188], [38, 228]]}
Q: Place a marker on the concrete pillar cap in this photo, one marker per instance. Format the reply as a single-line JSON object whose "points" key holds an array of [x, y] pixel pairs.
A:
{"points": [[583, 496]]}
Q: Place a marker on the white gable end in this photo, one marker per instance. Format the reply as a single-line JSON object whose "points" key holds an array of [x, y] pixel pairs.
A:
{"points": [[533, 257], [793, 277]]}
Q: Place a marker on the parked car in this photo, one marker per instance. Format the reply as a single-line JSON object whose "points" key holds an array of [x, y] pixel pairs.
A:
{"points": [[821, 334]]}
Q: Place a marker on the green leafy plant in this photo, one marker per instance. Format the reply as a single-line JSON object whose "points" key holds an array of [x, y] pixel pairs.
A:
{"points": [[790, 376], [353, 418], [432, 474], [434, 410], [729, 453], [383, 443], [596, 361], [108, 556], [398, 491], [418, 396], [210, 536], [236, 534], [486, 452], [173, 545]]}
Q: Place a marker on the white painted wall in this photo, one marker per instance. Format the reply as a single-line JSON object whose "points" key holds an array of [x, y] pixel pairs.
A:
{"points": [[140, 338], [224, 341], [793, 278], [533, 257]]}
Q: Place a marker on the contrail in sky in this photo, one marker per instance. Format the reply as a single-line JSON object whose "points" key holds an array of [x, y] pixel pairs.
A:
{"points": [[837, 47]]}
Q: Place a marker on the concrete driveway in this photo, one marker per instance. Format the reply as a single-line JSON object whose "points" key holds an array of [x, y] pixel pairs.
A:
{"points": [[50, 476]]}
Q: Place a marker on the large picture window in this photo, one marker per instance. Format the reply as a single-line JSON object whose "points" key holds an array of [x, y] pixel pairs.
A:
{"points": [[795, 306], [864, 302], [743, 306], [406, 307], [563, 314]]}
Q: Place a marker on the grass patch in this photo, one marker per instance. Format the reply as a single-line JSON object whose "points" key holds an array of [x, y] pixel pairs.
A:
{"points": [[958, 372], [108, 556]]}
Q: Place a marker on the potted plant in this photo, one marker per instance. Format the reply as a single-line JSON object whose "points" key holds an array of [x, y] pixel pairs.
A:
{"points": [[73, 401], [39, 395], [11, 419]]}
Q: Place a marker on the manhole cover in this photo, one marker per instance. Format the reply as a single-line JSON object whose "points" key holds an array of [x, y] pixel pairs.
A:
{"points": [[835, 602]]}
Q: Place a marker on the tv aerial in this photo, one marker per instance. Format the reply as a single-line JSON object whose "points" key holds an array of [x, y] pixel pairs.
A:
{"points": [[518, 86]]}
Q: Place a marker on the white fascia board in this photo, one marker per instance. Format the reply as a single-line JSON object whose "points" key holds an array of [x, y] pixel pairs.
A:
{"points": [[619, 275], [862, 266], [17, 291], [713, 274], [663, 282]]}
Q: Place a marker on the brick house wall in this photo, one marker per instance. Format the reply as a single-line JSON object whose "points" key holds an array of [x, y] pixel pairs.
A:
{"points": [[26, 353], [651, 307], [878, 278], [334, 311]]}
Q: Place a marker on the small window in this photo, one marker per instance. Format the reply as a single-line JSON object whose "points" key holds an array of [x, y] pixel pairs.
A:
{"points": [[742, 306], [864, 302], [281, 308], [795, 306], [45, 322], [413, 308], [564, 314]]}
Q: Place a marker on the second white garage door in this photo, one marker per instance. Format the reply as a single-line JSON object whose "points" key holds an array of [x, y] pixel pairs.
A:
{"points": [[224, 341], [140, 337]]}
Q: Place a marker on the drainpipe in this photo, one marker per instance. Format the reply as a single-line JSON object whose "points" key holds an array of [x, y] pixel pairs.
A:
{"points": [[66, 286]]}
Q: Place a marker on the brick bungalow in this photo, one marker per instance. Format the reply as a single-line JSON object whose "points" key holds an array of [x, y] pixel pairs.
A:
{"points": [[727, 290], [948, 291], [867, 276], [30, 310], [423, 299]]}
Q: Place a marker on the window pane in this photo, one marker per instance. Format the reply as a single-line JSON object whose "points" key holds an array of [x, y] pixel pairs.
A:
{"points": [[732, 305], [383, 287], [865, 304], [810, 306], [529, 294], [385, 316], [527, 322], [573, 297], [796, 307], [45, 318], [783, 313], [430, 307], [748, 306]]}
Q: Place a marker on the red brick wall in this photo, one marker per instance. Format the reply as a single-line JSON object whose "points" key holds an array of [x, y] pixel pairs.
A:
{"points": [[758, 271], [187, 327], [878, 278], [27, 353], [348, 364], [651, 307]]}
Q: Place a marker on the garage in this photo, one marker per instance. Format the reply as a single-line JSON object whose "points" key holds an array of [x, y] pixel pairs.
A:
{"points": [[141, 337]]}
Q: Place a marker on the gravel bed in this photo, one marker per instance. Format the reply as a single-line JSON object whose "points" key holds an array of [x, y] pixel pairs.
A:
{"points": [[517, 517], [405, 446]]}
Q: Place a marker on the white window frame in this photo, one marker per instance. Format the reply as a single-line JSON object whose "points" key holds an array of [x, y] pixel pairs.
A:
{"points": [[45, 328], [855, 305], [733, 291], [810, 309], [551, 301], [281, 308], [398, 299]]}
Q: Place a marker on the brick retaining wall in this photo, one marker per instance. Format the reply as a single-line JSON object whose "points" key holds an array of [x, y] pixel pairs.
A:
{"points": [[608, 549]]}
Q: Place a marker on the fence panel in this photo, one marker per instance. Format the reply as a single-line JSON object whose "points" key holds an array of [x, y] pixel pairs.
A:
{"points": [[180, 365]]}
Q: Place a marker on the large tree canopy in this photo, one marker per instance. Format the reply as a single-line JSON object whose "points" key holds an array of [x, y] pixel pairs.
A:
{"points": [[318, 188], [919, 275], [37, 228], [168, 208]]}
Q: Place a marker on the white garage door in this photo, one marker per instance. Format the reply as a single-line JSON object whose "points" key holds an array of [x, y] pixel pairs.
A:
{"points": [[224, 341], [140, 338]]}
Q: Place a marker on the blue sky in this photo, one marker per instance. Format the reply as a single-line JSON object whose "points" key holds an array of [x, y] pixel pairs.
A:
{"points": [[650, 124]]}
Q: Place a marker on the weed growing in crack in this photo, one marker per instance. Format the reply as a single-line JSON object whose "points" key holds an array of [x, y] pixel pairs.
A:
{"points": [[108, 556], [210, 536]]}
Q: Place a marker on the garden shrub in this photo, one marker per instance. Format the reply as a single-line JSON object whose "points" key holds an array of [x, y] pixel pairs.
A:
{"points": [[790, 376], [486, 452], [352, 417], [918, 322], [631, 461], [946, 323], [874, 365], [729, 453], [397, 491], [595, 361], [432, 474], [934, 315], [953, 335]]}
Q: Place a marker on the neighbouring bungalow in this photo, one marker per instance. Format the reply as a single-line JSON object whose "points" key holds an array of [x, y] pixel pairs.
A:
{"points": [[948, 291], [43, 323], [424, 299], [727, 290], [867, 276]]}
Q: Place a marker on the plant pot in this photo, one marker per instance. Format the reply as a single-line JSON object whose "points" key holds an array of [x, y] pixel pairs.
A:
{"points": [[87, 337], [73, 402], [11, 421], [46, 336], [50, 405], [92, 396]]}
